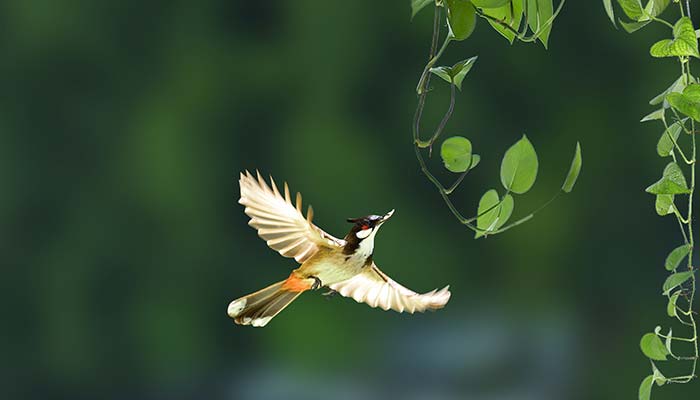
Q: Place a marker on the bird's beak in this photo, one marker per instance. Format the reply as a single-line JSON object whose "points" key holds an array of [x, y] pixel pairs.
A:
{"points": [[387, 216]]}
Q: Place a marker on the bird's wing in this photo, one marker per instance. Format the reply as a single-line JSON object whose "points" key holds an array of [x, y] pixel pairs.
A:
{"points": [[375, 288], [278, 222]]}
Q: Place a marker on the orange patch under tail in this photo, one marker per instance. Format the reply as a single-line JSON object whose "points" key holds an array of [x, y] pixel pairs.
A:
{"points": [[295, 283]]}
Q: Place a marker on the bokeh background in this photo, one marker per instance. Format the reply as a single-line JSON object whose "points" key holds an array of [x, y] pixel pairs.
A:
{"points": [[124, 126]]}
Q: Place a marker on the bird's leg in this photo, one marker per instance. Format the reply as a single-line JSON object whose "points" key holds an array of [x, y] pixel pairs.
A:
{"points": [[317, 283]]}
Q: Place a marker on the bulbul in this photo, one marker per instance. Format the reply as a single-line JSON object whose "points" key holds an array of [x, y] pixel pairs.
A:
{"points": [[344, 266]]}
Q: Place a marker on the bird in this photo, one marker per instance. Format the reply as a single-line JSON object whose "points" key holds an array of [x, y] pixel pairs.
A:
{"points": [[344, 266]]}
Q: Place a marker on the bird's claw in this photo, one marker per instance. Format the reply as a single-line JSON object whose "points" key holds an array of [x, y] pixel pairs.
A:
{"points": [[330, 294]]}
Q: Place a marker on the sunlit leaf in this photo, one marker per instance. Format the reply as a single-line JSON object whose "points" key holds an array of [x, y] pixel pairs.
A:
{"points": [[574, 170], [645, 388], [417, 5], [545, 10], [672, 182], [442, 72], [652, 347], [674, 258], [461, 18], [677, 86], [654, 8], [676, 280], [671, 306], [496, 217], [684, 42], [664, 147], [519, 167], [664, 204], [456, 153]]}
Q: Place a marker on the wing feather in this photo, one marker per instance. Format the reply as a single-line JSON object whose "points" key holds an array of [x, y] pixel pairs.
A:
{"points": [[279, 221], [378, 290]]}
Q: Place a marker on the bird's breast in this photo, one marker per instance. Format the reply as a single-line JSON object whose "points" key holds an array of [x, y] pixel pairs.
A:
{"points": [[334, 267]]}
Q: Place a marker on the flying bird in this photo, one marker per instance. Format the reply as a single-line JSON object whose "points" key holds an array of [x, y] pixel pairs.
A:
{"points": [[344, 266]]}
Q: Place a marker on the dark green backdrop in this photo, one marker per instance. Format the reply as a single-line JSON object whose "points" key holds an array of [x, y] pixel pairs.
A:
{"points": [[124, 126]]}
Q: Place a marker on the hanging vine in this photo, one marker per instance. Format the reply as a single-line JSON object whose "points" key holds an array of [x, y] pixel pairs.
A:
{"points": [[523, 20], [678, 108]]}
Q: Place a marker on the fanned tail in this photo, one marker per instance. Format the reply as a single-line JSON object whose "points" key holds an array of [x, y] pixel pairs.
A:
{"points": [[257, 309]]}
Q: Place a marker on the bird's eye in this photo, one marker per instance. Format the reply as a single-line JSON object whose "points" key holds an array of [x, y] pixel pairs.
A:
{"points": [[365, 227]]}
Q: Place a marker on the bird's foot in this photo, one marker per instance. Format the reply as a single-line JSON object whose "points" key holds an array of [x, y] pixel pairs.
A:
{"points": [[317, 283], [330, 294]]}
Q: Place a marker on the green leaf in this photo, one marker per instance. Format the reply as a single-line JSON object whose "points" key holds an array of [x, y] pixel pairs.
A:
{"points": [[460, 70], [688, 102], [658, 377], [490, 3], [664, 204], [519, 167], [545, 9], [442, 72], [664, 147], [632, 8], [674, 258], [574, 170], [654, 8], [672, 182], [609, 10], [495, 218], [456, 153], [654, 115], [675, 280], [652, 347], [417, 5], [631, 27], [461, 18], [475, 161], [684, 42], [677, 86], [671, 306], [645, 388], [509, 16]]}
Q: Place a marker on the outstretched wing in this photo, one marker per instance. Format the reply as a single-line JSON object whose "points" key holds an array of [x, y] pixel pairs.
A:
{"points": [[278, 222], [378, 290]]}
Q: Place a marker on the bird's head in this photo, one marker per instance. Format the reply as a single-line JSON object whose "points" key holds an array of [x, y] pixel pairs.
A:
{"points": [[367, 227]]}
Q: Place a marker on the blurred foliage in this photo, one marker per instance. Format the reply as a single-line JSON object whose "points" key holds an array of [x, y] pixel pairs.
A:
{"points": [[125, 125]]}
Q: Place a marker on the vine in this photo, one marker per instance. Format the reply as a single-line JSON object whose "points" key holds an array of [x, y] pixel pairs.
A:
{"points": [[678, 111], [523, 20]]}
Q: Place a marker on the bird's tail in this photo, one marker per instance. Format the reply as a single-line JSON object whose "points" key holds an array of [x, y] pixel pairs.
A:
{"points": [[257, 309]]}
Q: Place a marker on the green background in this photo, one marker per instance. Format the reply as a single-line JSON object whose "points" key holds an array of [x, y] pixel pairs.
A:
{"points": [[125, 126]]}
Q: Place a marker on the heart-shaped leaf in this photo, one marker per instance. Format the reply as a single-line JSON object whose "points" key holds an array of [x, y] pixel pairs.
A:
{"points": [[672, 182], [456, 153], [684, 42], [664, 147], [677, 86], [664, 204], [675, 257], [688, 102], [671, 306], [675, 280], [460, 70], [653, 347], [492, 220], [631, 8], [631, 27], [461, 18], [653, 9], [645, 388], [519, 167]]}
